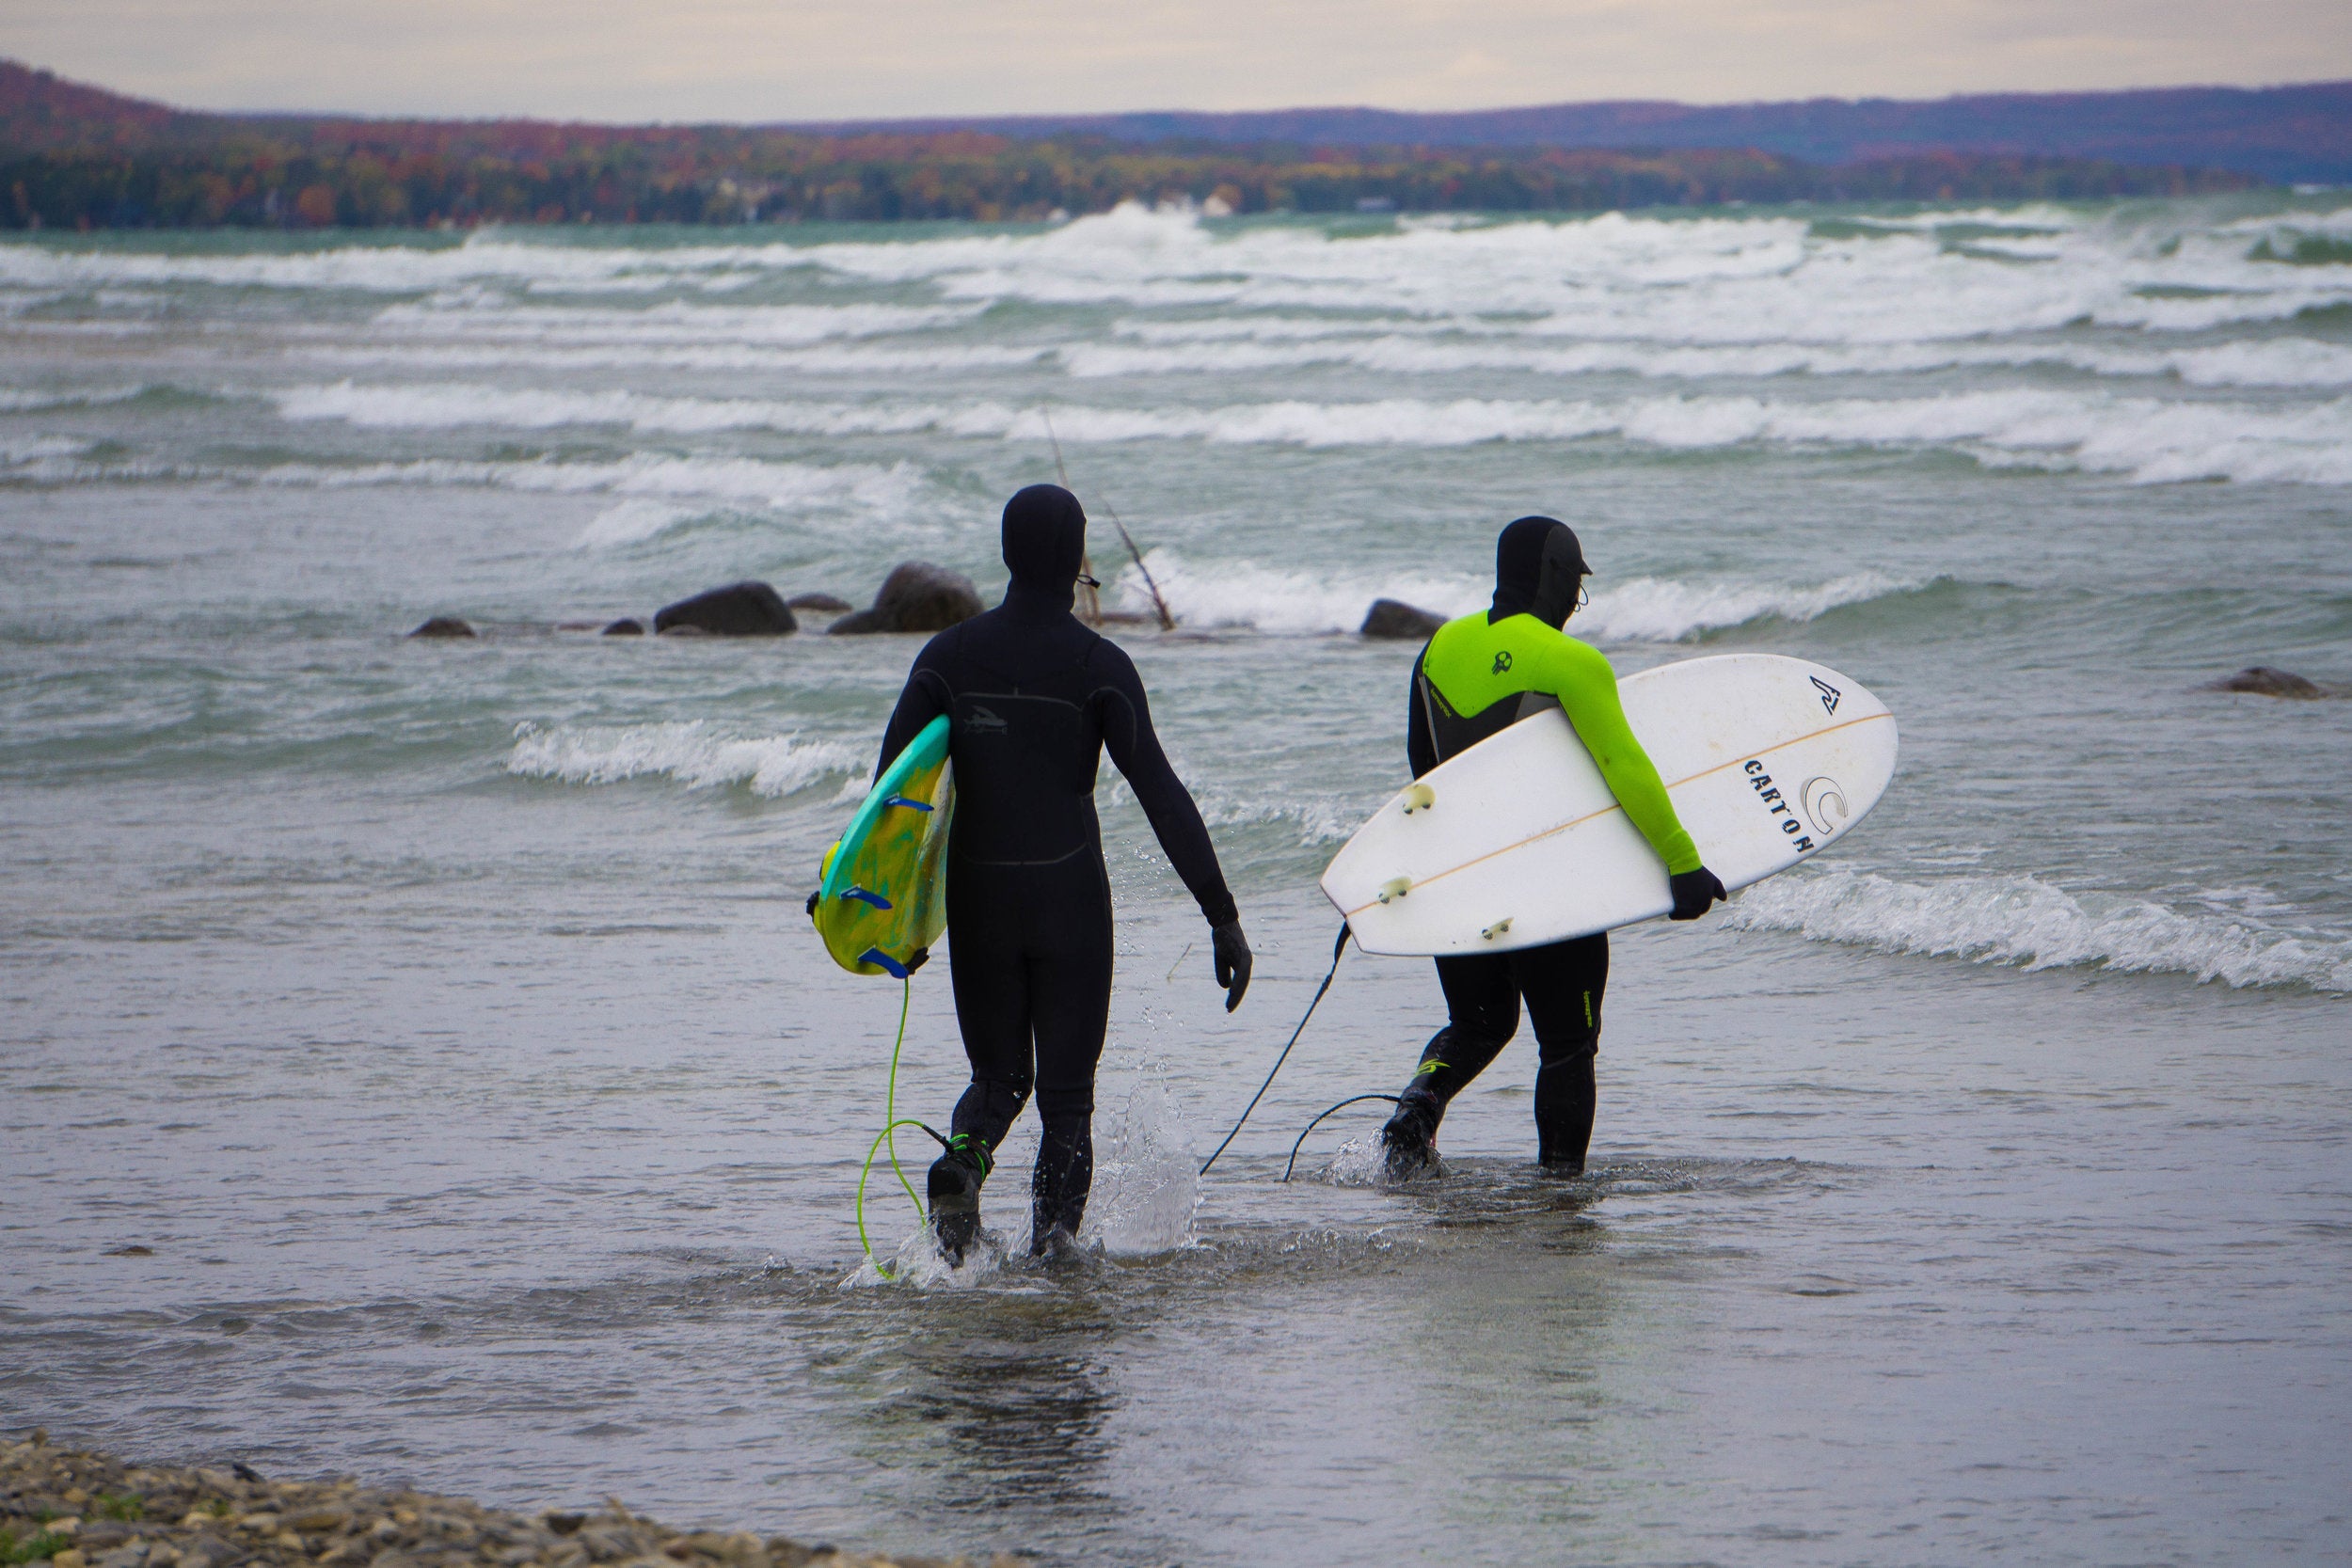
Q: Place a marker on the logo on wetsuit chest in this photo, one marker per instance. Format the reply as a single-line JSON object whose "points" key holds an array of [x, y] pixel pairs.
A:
{"points": [[1790, 823], [981, 721], [1503, 661]]}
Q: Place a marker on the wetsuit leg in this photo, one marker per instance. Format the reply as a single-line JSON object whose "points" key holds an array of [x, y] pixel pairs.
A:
{"points": [[1563, 983], [987, 956], [1482, 1014], [1030, 950], [1070, 1001]]}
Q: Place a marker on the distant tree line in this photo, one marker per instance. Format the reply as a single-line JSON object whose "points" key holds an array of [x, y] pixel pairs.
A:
{"points": [[74, 157]]}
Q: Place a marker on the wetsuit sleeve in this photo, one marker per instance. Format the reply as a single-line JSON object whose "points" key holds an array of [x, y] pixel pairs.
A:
{"points": [[926, 697], [1420, 747], [1128, 735], [1587, 689]]}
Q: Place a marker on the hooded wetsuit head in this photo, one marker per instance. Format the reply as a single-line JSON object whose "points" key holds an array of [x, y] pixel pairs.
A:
{"points": [[1539, 568], [1045, 540]]}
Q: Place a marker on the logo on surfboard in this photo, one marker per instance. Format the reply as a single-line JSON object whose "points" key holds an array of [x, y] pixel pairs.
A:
{"points": [[1829, 693]]}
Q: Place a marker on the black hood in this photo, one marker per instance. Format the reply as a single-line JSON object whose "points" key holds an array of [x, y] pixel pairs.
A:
{"points": [[1045, 539], [1539, 567]]}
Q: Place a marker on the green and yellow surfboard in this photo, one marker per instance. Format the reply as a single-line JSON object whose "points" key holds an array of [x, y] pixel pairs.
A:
{"points": [[883, 900]]}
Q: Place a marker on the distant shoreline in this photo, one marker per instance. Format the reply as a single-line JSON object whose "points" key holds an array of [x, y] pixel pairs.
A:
{"points": [[79, 158]]}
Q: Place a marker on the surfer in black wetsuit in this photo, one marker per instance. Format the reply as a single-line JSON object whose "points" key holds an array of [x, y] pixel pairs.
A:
{"points": [[1034, 698]]}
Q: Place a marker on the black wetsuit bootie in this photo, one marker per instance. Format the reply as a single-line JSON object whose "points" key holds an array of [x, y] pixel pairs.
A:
{"points": [[955, 1194], [1408, 1142]]}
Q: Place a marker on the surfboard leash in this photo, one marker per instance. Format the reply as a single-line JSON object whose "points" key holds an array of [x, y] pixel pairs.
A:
{"points": [[892, 1122], [1337, 948], [1292, 1164]]}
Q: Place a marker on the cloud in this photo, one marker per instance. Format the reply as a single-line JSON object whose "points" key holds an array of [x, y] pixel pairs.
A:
{"points": [[760, 60]]}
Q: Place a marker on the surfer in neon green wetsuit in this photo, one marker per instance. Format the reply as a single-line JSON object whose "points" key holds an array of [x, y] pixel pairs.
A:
{"points": [[1478, 675]]}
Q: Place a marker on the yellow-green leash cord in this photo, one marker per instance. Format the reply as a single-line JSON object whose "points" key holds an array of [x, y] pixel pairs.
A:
{"points": [[890, 1095], [890, 1116]]}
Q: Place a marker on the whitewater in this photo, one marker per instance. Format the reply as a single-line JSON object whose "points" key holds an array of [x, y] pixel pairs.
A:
{"points": [[444, 1018]]}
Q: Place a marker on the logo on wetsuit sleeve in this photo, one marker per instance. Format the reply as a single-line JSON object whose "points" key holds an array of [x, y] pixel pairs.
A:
{"points": [[1761, 783], [1503, 661]]}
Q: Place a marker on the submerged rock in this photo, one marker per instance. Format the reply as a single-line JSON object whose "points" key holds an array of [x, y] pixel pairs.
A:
{"points": [[445, 625], [2264, 681], [738, 609], [915, 596], [1395, 618], [628, 626], [824, 604]]}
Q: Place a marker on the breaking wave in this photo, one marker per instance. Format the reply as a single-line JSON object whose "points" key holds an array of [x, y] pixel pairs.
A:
{"points": [[691, 753], [2022, 920], [2151, 440], [1641, 610]]}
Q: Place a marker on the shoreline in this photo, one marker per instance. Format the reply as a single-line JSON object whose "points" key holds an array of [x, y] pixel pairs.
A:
{"points": [[73, 1508]]}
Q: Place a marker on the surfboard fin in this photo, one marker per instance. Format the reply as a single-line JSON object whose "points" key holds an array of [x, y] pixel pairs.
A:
{"points": [[1489, 933], [1418, 797], [865, 897], [910, 805], [885, 962], [1395, 887]]}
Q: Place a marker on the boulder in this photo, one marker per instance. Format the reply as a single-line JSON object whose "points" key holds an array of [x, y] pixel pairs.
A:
{"points": [[445, 625], [824, 604], [628, 626], [915, 596], [2264, 681], [1395, 618], [739, 609]]}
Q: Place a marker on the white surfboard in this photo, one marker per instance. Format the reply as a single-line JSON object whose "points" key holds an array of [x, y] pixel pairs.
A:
{"points": [[1517, 841]]}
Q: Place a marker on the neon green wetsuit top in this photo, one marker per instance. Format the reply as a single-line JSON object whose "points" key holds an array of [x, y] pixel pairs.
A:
{"points": [[1463, 686]]}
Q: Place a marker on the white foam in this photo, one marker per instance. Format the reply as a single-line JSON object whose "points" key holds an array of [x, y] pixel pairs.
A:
{"points": [[1660, 609], [632, 522], [1273, 599], [1640, 609], [2022, 920], [694, 753], [2151, 440], [40, 453]]}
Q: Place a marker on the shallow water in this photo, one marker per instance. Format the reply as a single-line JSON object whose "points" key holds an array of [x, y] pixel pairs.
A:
{"points": [[444, 1018]]}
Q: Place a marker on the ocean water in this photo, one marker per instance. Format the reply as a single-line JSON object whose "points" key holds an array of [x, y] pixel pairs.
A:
{"points": [[443, 1020]]}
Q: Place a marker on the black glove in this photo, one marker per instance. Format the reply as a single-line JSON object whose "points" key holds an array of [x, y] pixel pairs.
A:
{"points": [[1693, 891], [1232, 950]]}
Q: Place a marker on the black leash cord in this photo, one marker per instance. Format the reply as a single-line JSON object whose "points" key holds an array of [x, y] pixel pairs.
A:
{"points": [[1337, 948], [1313, 1125]]}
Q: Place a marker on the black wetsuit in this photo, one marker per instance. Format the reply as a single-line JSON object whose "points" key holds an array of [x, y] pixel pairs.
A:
{"points": [[1034, 698]]}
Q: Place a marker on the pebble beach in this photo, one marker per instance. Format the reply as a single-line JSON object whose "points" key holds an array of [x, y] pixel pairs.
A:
{"points": [[73, 1509]]}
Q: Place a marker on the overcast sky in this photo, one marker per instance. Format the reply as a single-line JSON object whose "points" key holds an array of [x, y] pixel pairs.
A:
{"points": [[804, 59]]}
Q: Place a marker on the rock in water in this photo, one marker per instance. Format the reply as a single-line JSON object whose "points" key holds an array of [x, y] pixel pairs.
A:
{"points": [[824, 604], [1395, 618], [915, 596], [628, 626], [739, 609], [445, 625], [2264, 681]]}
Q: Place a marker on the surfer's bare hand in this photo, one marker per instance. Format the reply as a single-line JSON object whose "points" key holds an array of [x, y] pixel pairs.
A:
{"points": [[1694, 890], [1232, 952]]}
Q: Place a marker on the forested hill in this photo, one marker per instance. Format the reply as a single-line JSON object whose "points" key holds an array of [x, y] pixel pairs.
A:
{"points": [[2285, 134], [79, 157]]}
